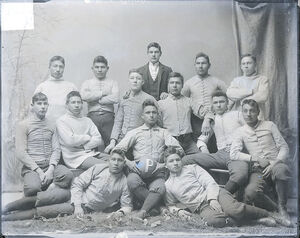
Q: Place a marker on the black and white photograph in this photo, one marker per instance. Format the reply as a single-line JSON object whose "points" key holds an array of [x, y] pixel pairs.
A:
{"points": [[144, 118]]}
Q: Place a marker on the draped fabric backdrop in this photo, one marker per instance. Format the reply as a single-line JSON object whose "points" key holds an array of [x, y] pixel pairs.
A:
{"points": [[268, 31]]}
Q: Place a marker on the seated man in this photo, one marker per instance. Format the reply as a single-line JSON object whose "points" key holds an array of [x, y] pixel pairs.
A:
{"points": [[78, 136], [249, 86], [148, 143], [130, 110], [224, 126], [190, 189], [38, 149], [176, 112], [101, 187], [268, 154]]}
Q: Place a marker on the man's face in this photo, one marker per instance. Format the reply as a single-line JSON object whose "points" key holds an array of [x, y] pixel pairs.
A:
{"points": [[150, 115], [248, 66], [116, 163], [40, 108], [202, 66], [57, 69], [75, 105], [174, 163], [154, 54], [250, 114], [219, 104], [175, 86], [136, 81], [100, 70]]}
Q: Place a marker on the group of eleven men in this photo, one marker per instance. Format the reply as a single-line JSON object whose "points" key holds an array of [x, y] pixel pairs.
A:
{"points": [[165, 137]]}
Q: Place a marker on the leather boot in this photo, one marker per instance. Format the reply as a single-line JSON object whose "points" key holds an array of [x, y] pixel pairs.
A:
{"points": [[282, 193]]}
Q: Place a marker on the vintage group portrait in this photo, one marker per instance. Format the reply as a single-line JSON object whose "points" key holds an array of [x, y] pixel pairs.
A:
{"points": [[149, 118]]}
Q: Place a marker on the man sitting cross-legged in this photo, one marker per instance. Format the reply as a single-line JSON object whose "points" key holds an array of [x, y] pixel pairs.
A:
{"points": [[38, 149], [224, 126], [268, 155], [190, 189], [78, 136], [101, 187], [146, 179]]}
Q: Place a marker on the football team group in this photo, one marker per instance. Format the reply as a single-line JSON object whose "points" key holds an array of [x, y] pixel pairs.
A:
{"points": [[156, 153]]}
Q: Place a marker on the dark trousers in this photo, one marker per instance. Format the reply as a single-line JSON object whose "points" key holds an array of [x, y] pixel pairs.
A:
{"points": [[187, 143], [258, 186], [104, 122], [197, 126], [238, 170], [238, 211], [62, 177]]}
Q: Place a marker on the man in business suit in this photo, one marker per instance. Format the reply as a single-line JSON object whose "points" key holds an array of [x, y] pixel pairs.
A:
{"points": [[155, 74]]}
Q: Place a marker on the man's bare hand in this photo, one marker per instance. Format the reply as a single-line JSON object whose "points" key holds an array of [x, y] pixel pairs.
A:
{"points": [[41, 175], [49, 175], [132, 166], [110, 147], [163, 96], [267, 171], [115, 215], [206, 128], [184, 214], [215, 205]]}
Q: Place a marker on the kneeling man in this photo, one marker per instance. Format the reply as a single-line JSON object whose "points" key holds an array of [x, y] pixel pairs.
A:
{"points": [[190, 189]]}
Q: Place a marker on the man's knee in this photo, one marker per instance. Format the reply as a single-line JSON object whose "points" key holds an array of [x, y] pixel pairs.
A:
{"points": [[239, 172], [280, 172], [160, 189], [32, 190], [134, 181], [251, 192], [62, 176]]}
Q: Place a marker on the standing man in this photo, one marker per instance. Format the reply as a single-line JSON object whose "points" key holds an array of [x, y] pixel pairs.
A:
{"points": [[176, 112], [78, 136], [154, 73], [101, 187], [146, 179], [224, 126], [249, 86], [101, 93], [200, 88], [56, 88], [268, 155], [130, 110], [190, 189], [38, 149]]}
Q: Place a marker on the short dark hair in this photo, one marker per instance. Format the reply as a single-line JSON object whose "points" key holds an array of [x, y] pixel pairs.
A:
{"points": [[149, 102], [100, 59], [72, 94], [55, 58], [39, 97], [252, 103], [134, 71], [119, 152], [176, 75], [170, 150], [219, 93], [249, 55], [154, 44], [201, 54]]}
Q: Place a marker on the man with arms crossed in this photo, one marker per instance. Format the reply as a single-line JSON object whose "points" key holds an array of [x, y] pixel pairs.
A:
{"points": [[190, 189], [154, 73], [148, 143], [102, 186], [78, 136], [130, 110], [101, 93], [56, 88], [176, 112], [268, 155], [224, 126], [200, 88], [249, 86]]}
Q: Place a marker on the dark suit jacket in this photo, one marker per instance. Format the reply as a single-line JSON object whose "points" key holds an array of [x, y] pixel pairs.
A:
{"points": [[162, 77]]}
